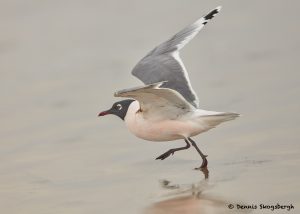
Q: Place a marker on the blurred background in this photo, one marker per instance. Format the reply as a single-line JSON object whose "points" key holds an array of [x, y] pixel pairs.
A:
{"points": [[61, 62]]}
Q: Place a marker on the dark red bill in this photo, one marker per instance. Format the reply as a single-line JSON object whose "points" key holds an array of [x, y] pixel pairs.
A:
{"points": [[103, 113]]}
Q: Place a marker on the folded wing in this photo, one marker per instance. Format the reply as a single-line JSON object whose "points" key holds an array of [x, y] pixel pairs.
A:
{"points": [[163, 63]]}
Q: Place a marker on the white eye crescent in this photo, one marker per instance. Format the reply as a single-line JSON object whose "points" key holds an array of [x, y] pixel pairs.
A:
{"points": [[119, 106]]}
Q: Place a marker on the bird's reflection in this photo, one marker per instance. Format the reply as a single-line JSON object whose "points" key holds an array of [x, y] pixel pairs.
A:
{"points": [[194, 189], [190, 198]]}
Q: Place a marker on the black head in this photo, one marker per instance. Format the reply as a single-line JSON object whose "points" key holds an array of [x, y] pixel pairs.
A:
{"points": [[119, 109]]}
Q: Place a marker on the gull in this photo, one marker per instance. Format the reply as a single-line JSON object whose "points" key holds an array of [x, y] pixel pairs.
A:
{"points": [[167, 108]]}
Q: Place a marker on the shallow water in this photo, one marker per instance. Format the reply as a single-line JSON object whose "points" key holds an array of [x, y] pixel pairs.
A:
{"points": [[60, 63]]}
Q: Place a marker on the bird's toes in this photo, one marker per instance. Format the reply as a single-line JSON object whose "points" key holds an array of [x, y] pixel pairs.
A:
{"points": [[164, 156], [204, 164], [159, 157]]}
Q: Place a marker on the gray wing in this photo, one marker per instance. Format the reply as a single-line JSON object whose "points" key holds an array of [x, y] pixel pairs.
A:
{"points": [[163, 63], [158, 103]]}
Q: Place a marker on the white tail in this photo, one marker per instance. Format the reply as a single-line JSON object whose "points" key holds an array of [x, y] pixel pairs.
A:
{"points": [[216, 119]]}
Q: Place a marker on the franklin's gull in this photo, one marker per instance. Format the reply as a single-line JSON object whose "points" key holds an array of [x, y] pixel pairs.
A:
{"points": [[167, 107]]}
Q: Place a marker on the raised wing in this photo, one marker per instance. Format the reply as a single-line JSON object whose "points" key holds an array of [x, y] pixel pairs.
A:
{"points": [[158, 103], [164, 64]]}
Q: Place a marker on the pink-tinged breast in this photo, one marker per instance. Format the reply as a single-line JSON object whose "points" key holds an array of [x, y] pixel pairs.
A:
{"points": [[165, 130]]}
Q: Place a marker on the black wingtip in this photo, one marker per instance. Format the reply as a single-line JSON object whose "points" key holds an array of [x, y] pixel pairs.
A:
{"points": [[212, 14]]}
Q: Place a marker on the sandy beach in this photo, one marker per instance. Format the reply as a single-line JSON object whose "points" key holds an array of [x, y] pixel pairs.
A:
{"points": [[61, 62]]}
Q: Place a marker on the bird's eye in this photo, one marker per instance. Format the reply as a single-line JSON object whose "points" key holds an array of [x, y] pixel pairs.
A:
{"points": [[119, 106]]}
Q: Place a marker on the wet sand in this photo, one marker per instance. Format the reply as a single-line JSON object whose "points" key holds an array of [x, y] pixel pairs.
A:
{"points": [[60, 63]]}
